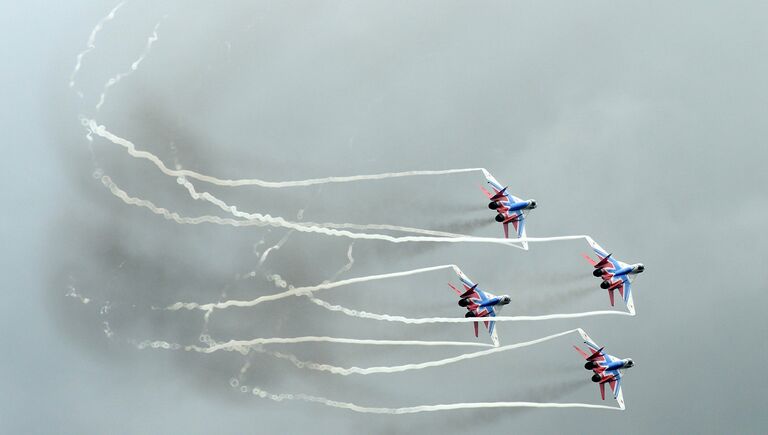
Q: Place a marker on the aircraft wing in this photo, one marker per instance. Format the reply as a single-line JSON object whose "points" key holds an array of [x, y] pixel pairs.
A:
{"points": [[627, 287], [493, 332], [593, 346], [465, 281], [615, 382], [619, 395], [476, 298], [497, 188], [624, 283]]}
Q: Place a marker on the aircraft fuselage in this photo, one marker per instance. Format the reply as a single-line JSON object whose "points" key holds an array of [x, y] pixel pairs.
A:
{"points": [[618, 364]]}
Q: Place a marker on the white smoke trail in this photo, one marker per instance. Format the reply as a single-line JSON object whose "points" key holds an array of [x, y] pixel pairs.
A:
{"points": [[297, 291], [275, 247], [102, 131], [413, 409], [267, 220], [180, 174], [417, 366], [326, 229], [257, 219], [207, 196], [244, 346], [91, 44], [425, 320], [347, 267], [134, 66]]}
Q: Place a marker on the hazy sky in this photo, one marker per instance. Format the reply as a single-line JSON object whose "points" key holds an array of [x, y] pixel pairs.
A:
{"points": [[639, 124]]}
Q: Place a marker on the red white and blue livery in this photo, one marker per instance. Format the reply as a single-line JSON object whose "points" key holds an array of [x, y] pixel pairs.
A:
{"points": [[616, 275], [509, 208], [480, 304], [606, 368]]}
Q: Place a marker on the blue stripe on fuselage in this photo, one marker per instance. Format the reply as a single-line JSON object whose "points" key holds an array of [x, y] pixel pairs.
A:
{"points": [[491, 302], [519, 205], [622, 271]]}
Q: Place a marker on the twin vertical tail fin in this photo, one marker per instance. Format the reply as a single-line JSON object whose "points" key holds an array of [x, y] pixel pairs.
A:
{"points": [[603, 261], [499, 195], [469, 292], [595, 355]]}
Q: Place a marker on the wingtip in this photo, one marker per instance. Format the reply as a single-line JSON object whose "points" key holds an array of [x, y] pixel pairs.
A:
{"points": [[584, 335]]}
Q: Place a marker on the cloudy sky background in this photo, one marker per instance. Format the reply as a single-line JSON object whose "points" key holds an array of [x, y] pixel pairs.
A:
{"points": [[641, 125]]}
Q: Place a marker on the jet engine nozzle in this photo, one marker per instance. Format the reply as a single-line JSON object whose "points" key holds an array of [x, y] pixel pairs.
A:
{"points": [[463, 302], [589, 365], [596, 378], [605, 284], [499, 217], [493, 205], [470, 314], [598, 272]]}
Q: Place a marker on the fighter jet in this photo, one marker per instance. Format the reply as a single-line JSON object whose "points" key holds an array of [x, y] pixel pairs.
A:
{"points": [[615, 274], [606, 368], [480, 304], [509, 208]]}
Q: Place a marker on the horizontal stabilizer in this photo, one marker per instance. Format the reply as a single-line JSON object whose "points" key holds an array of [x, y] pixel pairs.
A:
{"points": [[581, 352], [588, 258]]}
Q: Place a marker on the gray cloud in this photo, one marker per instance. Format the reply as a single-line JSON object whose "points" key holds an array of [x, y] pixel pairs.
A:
{"points": [[640, 124]]}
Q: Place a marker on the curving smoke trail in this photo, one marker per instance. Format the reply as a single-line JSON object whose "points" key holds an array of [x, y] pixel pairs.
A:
{"points": [[414, 409], [328, 229], [101, 130], [267, 220], [416, 366], [134, 66], [425, 320], [207, 196], [347, 267], [91, 44], [244, 346], [307, 290], [275, 247], [332, 229]]}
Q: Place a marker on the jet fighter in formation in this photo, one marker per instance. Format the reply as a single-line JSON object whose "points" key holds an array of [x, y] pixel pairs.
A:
{"points": [[606, 368], [509, 208], [616, 275], [480, 304]]}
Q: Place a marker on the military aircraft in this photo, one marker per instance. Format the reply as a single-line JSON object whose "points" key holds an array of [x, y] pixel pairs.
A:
{"points": [[509, 208], [606, 368], [480, 304], [616, 275]]}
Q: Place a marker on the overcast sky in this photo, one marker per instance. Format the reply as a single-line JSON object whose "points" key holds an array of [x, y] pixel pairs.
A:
{"points": [[639, 124]]}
